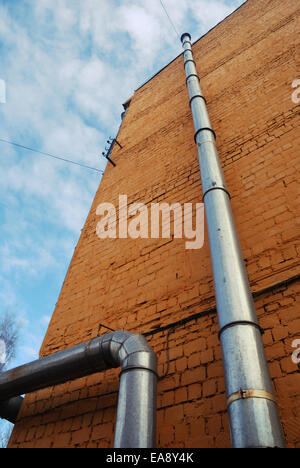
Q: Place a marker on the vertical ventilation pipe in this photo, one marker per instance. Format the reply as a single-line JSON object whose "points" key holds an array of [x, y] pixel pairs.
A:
{"points": [[253, 413]]}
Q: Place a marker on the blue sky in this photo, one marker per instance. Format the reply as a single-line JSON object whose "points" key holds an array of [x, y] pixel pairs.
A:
{"points": [[68, 67]]}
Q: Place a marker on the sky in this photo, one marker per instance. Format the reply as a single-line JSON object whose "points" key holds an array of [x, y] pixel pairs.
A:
{"points": [[68, 65]]}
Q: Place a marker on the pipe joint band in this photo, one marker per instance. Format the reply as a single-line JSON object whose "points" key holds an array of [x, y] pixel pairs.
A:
{"points": [[246, 394], [201, 130], [186, 42], [190, 60], [241, 322], [197, 96], [192, 75], [210, 190], [130, 368]]}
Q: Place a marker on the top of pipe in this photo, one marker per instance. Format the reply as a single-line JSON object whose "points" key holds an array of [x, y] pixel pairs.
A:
{"points": [[184, 35]]}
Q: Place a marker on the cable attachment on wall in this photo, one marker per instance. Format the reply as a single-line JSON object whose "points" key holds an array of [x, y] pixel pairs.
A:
{"points": [[108, 150]]}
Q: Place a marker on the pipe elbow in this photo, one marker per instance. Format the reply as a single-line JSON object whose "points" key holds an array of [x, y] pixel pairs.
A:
{"points": [[128, 350]]}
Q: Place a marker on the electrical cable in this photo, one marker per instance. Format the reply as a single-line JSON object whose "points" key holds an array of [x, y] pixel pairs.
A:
{"points": [[51, 155], [169, 18]]}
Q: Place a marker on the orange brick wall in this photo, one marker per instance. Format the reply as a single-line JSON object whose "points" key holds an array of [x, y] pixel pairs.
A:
{"points": [[247, 65]]}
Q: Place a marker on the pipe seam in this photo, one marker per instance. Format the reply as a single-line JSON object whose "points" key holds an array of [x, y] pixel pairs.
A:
{"points": [[241, 322], [201, 130], [197, 96], [216, 188], [193, 76], [190, 60]]}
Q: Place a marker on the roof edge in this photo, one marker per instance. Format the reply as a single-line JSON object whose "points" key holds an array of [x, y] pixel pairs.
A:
{"points": [[193, 43]]}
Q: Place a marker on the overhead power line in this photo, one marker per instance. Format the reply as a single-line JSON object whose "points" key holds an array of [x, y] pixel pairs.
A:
{"points": [[170, 19], [51, 155]]}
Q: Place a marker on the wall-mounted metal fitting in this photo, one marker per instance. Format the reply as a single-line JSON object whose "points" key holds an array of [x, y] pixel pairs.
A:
{"points": [[246, 394], [108, 150]]}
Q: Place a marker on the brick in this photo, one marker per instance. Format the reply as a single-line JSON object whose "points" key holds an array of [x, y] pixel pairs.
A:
{"points": [[196, 375], [181, 395], [174, 414], [197, 427], [195, 346], [201, 441], [288, 385], [181, 364], [279, 333], [219, 403], [176, 353], [44, 444], [275, 370], [206, 356], [268, 338], [104, 431], [214, 425], [294, 327], [209, 388], [269, 321], [168, 399], [194, 361], [223, 441], [81, 436], [275, 351], [288, 366], [167, 435], [194, 391], [60, 441], [215, 370]]}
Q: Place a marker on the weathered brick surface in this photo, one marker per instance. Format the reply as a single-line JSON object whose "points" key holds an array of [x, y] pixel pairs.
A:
{"points": [[247, 65]]}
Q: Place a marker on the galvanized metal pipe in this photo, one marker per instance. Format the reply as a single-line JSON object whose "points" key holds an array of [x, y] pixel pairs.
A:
{"points": [[253, 413], [136, 415], [10, 409]]}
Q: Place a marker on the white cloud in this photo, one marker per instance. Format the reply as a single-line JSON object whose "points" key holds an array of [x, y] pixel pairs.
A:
{"points": [[68, 67], [45, 320]]}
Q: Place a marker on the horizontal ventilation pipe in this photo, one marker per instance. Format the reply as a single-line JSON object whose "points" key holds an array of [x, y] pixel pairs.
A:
{"points": [[253, 413], [136, 415], [9, 409]]}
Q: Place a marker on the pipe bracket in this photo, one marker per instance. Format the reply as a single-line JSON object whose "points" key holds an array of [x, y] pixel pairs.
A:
{"points": [[246, 394], [241, 322]]}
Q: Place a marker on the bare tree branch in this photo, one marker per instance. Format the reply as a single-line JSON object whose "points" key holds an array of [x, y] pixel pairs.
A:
{"points": [[9, 335], [5, 434]]}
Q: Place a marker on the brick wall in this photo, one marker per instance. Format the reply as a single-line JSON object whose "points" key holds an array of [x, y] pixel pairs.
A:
{"points": [[247, 65]]}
